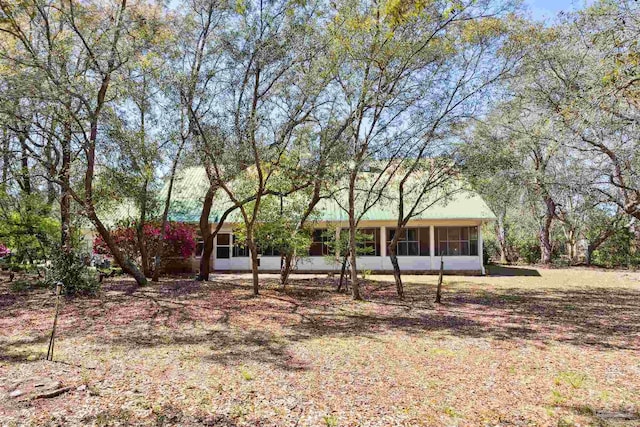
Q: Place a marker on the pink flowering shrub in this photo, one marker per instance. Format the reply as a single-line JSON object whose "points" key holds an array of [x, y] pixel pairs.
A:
{"points": [[179, 241], [4, 251]]}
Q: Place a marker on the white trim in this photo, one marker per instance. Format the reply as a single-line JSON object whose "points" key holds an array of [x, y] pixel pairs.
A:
{"points": [[480, 257], [432, 245]]}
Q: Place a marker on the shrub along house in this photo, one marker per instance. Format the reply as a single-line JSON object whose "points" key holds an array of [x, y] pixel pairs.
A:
{"points": [[451, 229]]}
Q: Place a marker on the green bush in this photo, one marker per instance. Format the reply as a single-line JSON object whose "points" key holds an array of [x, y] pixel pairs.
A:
{"points": [[490, 248], [23, 285], [71, 270], [20, 285], [618, 251], [528, 251]]}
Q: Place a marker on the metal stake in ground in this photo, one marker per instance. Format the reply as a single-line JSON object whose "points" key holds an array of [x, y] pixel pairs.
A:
{"points": [[439, 289], [55, 322]]}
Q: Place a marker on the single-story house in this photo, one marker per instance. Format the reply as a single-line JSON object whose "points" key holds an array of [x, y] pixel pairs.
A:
{"points": [[450, 229]]}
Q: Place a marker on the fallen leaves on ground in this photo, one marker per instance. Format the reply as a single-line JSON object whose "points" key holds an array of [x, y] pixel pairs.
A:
{"points": [[539, 351]]}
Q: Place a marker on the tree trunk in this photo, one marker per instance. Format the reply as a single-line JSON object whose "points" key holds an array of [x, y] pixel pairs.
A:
{"points": [[51, 173], [439, 288], [355, 286], [396, 272], [285, 271], [142, 243], [165, 214], [253, 248], [287, 267], [571, 246], [25, 174], [124, 262], [207, 238], [343, 272], [205, 260], [502, 238], [597, 242], [635, 242], [545, 245], [65, 199], [5, 157], [545, 231]]}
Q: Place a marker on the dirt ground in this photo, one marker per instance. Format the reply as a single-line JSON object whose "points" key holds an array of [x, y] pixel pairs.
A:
{"points": [[520, 347]]}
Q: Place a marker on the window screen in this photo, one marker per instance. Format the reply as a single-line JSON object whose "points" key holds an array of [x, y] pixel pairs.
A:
{"points": [[412, 242], [456, 241]]}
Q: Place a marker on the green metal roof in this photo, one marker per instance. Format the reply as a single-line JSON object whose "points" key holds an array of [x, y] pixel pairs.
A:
{"points": [[191, 185]]}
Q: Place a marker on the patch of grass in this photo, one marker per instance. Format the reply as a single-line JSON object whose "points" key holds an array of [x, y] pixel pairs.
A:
{"points": [[238, 411], [93, 390], [86, 376], [167, 415], [20, 285], [605, 396], [585, 410], [246, 374], [566, 422], [511, 298], [330, 420], [110, 418], [557, 398], [451, 412], [572, 378], [441, 352]]}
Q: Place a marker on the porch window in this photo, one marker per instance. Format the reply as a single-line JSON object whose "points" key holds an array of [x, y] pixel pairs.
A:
{"points": [[368, 241], [320, 242], [456, 241], [269, 251], [240, 249], [223, 247], [370, 246], [412, 241]]}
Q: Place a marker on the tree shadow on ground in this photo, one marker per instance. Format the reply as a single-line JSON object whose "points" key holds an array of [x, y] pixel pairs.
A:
{"points": [[236, 329], [590, 316], [15, 351], [606, 417], [172, 415], [503, 270]]}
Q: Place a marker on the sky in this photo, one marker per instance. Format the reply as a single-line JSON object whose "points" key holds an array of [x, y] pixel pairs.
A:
{"points": [[541, 9]]}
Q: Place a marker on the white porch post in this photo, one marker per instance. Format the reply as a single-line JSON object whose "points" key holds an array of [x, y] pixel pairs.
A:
{"points": [[481, 258], [336, 265], [383, 246], [432, 246]]}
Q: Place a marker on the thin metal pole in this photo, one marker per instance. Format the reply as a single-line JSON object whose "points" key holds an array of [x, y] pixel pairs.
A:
{"points": [[55, 322], [439, 289]]}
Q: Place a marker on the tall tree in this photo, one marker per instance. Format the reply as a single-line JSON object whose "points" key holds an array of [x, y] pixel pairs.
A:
{"points": [[270, 90], [92, 51], [391, 54]]}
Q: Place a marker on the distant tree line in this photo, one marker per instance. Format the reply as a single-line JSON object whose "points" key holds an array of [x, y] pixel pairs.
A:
{"points": [[558, 156]]}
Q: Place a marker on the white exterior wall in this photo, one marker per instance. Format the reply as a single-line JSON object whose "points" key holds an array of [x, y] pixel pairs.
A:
{"points": [[374, 263]]}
